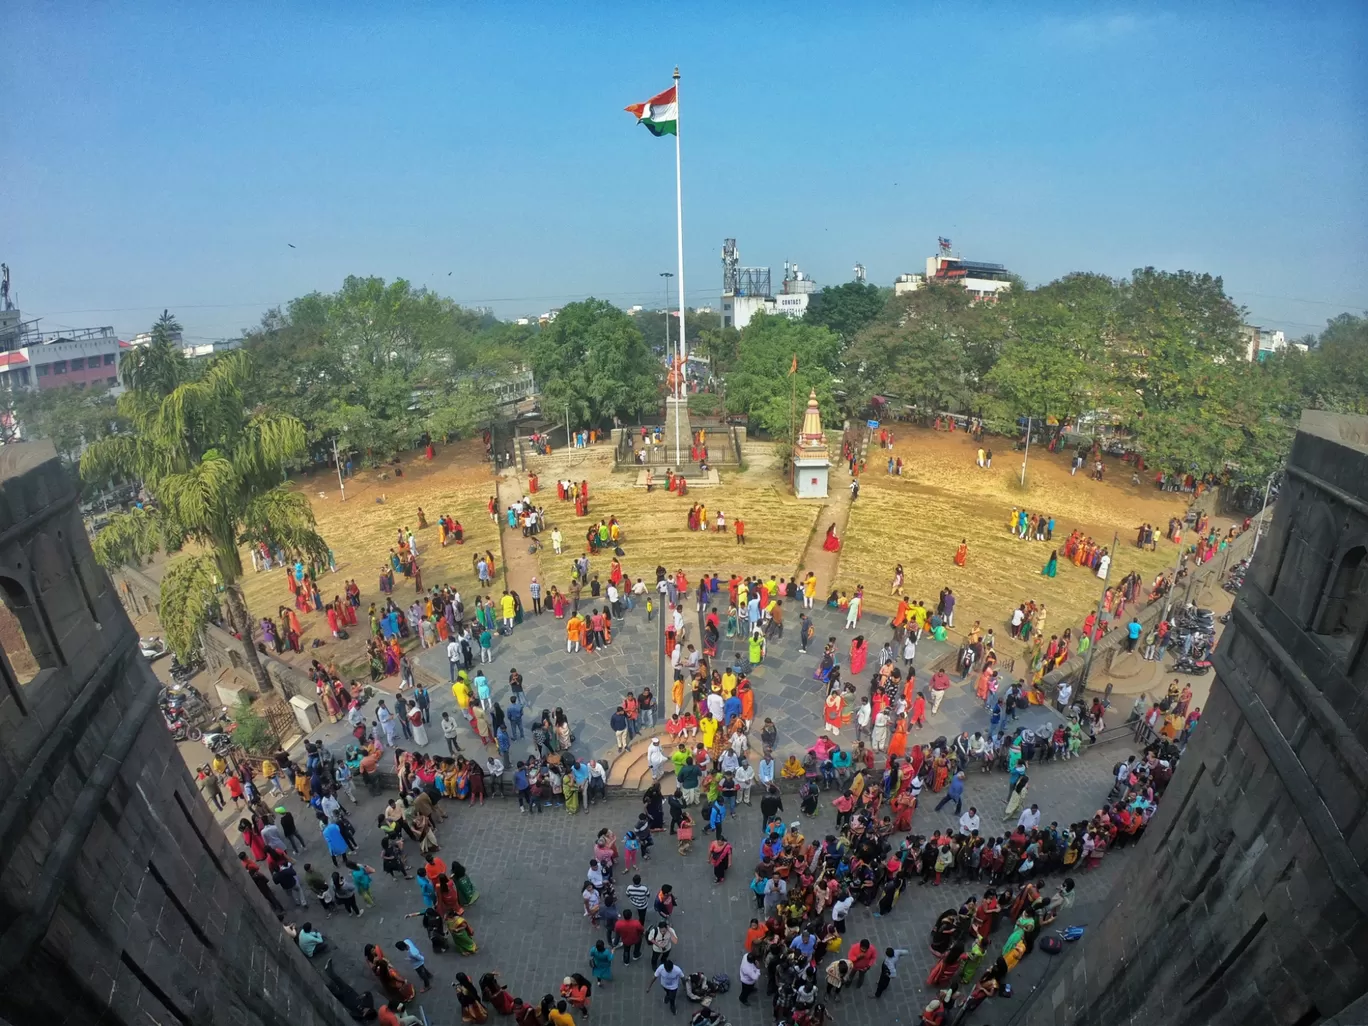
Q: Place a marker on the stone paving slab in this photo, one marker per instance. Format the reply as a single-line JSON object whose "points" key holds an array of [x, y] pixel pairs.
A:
{"points": [[528, 923]]}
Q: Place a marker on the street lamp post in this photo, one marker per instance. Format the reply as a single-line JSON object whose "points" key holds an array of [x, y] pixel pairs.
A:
{"points": [[337, 461]]}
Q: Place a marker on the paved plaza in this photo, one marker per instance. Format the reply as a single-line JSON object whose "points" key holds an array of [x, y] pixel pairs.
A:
{"points": [[528, 919], [529, 868]]}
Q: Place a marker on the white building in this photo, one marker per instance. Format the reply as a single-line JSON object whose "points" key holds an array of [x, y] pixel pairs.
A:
{"points": [[751, 295], [981, 280], [1260, 342]]}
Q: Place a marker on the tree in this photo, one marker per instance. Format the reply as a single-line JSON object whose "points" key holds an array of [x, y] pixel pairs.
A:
{"points": [[1337, 371], [212, 466], [160, 365], [759, 383], [593, 359], [1054, 360], [846, 309], [930, 347], [377, 364], [69, 417]]}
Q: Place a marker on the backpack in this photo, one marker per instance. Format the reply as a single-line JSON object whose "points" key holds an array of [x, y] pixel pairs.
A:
{"points": [[721, 983]]}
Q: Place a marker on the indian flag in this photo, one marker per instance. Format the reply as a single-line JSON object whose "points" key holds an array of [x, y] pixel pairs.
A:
{"points": [[660, 114]]}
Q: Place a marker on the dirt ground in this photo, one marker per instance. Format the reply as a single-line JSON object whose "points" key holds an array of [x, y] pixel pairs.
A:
{"points": [[942, 497], [655, 526], [362, 530]]}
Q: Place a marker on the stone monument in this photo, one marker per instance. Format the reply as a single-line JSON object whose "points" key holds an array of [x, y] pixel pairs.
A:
{"points": [[1246, 899], [121, 901], [811, 459]]}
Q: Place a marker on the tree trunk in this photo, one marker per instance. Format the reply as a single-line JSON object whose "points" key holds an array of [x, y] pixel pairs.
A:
{"points": [[237, 611]]}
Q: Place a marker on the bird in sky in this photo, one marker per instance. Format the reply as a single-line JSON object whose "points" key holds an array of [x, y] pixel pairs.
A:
{"points": [[290, 244]]}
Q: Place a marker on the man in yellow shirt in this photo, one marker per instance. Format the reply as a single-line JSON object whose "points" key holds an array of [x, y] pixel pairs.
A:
{"points": [[509, 609], [461, 692], [728, 684], [268, 771]]}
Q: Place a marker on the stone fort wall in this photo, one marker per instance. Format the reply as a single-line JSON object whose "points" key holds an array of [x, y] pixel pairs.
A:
{"points": [[120, 900], [1248, 902]]}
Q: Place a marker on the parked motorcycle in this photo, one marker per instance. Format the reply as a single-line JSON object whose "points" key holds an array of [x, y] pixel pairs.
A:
{"points": [[218, 742], [1191, 666], [180, 730]]}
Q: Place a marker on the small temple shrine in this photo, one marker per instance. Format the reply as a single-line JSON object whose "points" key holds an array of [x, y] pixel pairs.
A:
{"points": [[811, 459]]}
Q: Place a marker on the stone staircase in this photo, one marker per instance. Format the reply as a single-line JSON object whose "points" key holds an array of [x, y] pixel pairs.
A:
{"points": [[571, 463], [629, 771]]}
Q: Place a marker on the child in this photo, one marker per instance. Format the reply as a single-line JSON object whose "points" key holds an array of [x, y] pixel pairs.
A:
{"points": [[631, 847], [686, 834], [650, 609]]}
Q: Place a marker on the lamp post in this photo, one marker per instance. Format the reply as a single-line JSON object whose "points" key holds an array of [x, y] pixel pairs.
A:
{"points": [[1258, 530], [679, 382], [337, 461]]}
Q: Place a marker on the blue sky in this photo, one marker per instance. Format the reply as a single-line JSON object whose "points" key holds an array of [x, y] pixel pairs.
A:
{"points": [[166, 155]]}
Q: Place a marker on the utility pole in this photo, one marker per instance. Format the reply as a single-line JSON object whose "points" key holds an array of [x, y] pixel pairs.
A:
{"points": [[1097, 615], [337, 461], [1027, 453], [1258, 530], [567, 425]]}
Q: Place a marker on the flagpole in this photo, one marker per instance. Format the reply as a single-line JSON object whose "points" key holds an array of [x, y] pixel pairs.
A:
{"points": [[682, 395]]}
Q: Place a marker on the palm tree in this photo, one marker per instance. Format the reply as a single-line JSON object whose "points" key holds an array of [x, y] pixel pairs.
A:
{"points": [[213, 468], [160, 365]]}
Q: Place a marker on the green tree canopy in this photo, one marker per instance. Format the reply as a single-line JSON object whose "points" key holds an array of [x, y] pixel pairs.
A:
{"points": [[846, 309], [212, 466], [376, 365], [759, 383], [70, 418], [930, 347], [593, 359]]}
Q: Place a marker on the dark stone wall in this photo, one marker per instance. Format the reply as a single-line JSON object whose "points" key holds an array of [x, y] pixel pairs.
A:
{"points": [[120, 900], [1248, 901]]}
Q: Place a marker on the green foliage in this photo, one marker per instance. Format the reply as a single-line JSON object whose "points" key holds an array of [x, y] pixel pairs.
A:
{"points": [[705, 404], [930, 347], [251, 731], [846, 309], [213, 469], [760, 385], [1336, 376], [159, 366], [189, 595], [69, 417], [376, 364], [593, 359]]}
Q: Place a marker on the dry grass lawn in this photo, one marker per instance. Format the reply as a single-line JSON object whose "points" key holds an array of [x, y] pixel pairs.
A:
{"points": [[655, 526], [362, 530], [919, 519]]}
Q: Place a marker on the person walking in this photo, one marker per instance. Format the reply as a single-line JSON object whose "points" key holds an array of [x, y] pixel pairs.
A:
{"points": [[889, 969], [749, 975], [669, 976], [954, 793]]}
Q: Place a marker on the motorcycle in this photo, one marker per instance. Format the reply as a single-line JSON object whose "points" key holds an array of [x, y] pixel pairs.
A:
{"points": [[180, 730], [217, 741], [1191, 666]]}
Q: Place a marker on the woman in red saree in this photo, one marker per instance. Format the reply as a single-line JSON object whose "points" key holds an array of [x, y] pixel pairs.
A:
{"points": [[903, 806], [897, 744], [833, 712], [832, 543], [859, 653], [962, 553]]}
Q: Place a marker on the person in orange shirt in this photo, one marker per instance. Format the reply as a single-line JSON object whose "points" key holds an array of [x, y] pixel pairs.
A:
{"points": [[755, 933], [574, 633]]}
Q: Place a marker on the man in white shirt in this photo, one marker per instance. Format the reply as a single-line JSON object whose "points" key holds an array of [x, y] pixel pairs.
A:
{"points": [[745, 779], [1065, 693], [613, 599], [656, 759], [1030, 818], [969, 822], [863, 719], [839, 910], [716, 705], [453, 658]]}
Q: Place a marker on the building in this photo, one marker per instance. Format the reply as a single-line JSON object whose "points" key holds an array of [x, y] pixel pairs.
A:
{"points": [[981, 280], [123, 903], [1246, 900], [746, 290], [1261, 342], [31, 359], [811, 463]]}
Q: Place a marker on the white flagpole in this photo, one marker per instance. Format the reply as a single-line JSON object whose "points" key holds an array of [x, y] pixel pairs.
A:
{"points": [[682, 395]]}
